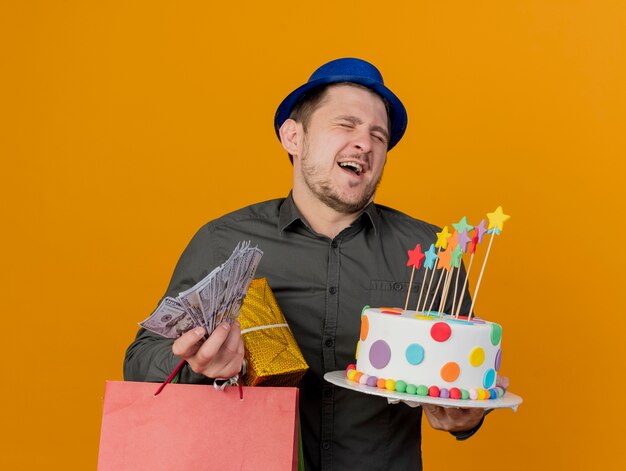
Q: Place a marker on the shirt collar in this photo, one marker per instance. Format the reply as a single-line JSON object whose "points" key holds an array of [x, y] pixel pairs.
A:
{"points": [[289, 214], [370, 213]]}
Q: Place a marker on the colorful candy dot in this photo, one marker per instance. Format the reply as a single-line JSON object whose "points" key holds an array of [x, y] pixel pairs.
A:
{"points": [[381, 383], [473, 394], [496, 333], [481, 394], [400, 386], [498, 361], [499, 391], [455, 393], [350, 367], [411, 389], [422, 390], [450, 371], [365, 327], [390, 384], [356, 353], [489, 379], [357, 376], [440, 331], [433, 391], [351, 375], [380, 354], [424, 318], [363, 378], [493, 394], [477, 356], [371, 381], [414, 354], [365, 308], [444, 393]]}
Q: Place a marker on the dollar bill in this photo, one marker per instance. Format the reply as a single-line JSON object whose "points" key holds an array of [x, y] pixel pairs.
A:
{"points": [[216, 298], [169, 319]]}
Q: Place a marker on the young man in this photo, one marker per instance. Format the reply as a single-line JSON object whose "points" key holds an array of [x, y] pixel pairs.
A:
{"points": [[329, 250]]}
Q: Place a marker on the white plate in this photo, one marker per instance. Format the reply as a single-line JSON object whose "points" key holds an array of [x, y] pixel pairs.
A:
{"points": [[509, 400]]}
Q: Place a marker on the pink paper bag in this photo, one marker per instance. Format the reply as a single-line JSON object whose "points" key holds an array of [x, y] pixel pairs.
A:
{"points": [[196, 427]]}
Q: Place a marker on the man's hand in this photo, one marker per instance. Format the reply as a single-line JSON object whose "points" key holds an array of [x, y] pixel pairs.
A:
{"points": [[452, 419], [219, 356]]}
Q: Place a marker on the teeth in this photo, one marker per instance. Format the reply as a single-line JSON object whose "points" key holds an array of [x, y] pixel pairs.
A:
{"points": [[353, 165]]}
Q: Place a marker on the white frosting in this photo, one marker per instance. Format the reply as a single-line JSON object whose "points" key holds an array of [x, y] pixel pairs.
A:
{"points": [[401, 331]]}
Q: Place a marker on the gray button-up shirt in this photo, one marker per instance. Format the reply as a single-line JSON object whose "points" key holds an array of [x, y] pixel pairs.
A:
{"points": [[321, 286]]}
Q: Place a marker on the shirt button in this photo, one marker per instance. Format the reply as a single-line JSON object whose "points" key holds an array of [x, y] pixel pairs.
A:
{"points": [[326, 445], [332, 290], [333, 244], [329, 342], [397, 286]]}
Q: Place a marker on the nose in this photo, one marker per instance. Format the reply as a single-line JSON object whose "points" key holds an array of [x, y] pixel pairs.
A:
{"points": [[362, 141]]}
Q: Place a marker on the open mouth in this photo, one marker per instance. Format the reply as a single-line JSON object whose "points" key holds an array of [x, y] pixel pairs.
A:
{"points": [[352, 166]]}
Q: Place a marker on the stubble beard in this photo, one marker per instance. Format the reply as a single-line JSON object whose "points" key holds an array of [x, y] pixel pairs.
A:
{"points": [[324, 190]]}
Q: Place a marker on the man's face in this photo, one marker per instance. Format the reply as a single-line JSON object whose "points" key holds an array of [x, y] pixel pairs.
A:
{"points": [[344, 148]]}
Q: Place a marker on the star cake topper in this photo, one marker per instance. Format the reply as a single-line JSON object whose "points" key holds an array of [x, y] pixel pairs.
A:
{"points": [[497, 219], [416, 256]]}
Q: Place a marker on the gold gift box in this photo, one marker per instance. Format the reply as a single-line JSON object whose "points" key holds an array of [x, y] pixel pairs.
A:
{"points": [[272, 355]]}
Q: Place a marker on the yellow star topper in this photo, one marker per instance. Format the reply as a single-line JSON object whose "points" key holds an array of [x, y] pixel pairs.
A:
{"points": [[442, 239], [497, 219]]}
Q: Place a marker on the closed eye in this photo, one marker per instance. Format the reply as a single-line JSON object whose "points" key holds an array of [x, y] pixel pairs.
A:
{"points": [[380, 138]]}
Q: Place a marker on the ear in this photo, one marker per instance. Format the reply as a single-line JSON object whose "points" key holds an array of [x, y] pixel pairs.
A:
{"points": [[289, 136]]}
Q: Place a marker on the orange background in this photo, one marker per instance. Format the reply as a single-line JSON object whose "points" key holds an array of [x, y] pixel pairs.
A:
{"points": [[127, 125]]}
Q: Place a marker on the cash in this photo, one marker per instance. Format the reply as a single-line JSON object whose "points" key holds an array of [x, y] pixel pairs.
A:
{"points": [[214, 299]]}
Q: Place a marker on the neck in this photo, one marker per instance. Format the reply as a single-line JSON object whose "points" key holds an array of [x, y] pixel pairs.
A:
{"points": [[321, 218]]}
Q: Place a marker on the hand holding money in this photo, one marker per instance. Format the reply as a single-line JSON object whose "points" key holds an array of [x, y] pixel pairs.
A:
{"points": [[203, 318], [219, 356]]}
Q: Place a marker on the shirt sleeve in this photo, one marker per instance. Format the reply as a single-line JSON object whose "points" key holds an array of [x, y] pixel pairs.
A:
{"points": [[149, 358]]}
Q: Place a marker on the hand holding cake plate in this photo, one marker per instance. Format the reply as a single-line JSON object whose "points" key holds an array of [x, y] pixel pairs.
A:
{"points": [[508, 400]]}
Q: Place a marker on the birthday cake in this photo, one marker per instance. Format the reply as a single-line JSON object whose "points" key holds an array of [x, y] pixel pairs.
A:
{"points": [[427, 352], [428, 355]]}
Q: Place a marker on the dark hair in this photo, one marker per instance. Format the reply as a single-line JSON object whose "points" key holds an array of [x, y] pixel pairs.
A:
{"points": [[306, 106]]}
